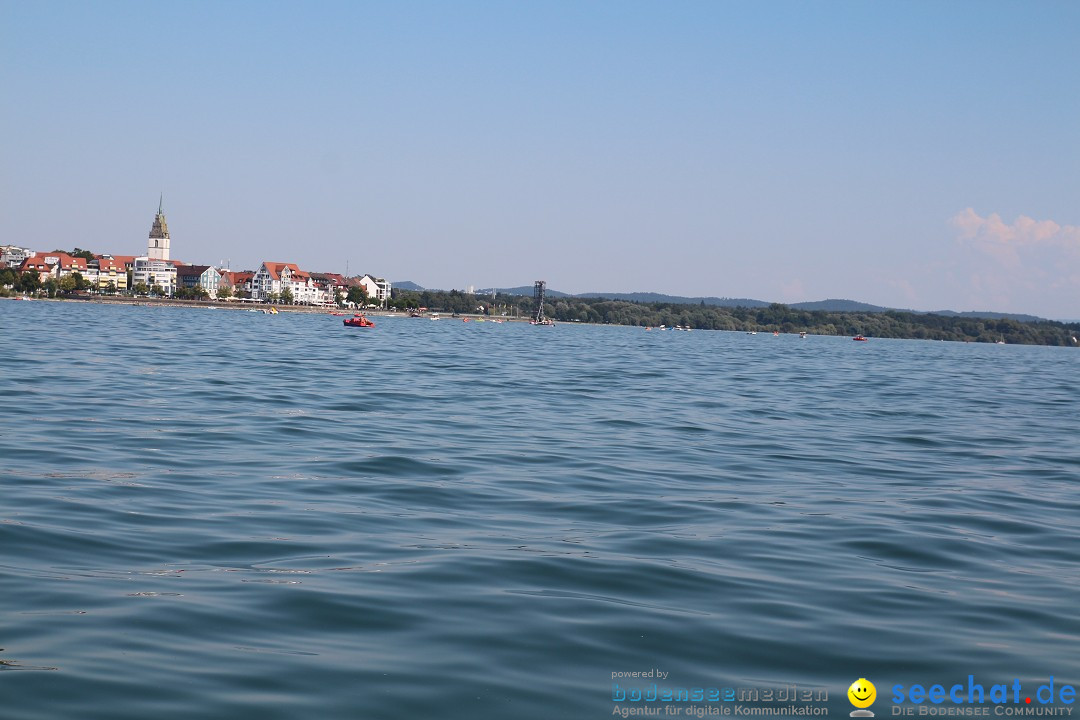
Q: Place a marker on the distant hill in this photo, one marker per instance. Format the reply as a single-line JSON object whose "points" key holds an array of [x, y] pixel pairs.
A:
{"points": [[406, 285], [651, 297], [988, 315], [524, 290], [830, 305], [833, 305]]}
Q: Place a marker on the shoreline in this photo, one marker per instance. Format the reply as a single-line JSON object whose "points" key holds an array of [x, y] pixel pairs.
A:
{"points": [[259, 307], [752, 328]]}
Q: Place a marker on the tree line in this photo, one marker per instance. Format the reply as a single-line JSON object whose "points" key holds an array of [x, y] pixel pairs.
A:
{"points": [[773, 318]]}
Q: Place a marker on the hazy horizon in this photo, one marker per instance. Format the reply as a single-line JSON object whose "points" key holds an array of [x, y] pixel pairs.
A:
{"points": [[917, 155]]}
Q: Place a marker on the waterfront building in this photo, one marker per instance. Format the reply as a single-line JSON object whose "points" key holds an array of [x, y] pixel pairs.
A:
{"points": [[66, 264], [377, 289], [204, 276], [274, 278], [37, 264], [13, 256], [54, 265], [128, 261], [106, 270], [238, 281], [328, 286], [151, 272]]}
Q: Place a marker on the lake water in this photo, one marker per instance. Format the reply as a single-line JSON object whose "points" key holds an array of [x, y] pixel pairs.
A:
{"points": [[222, 514]]}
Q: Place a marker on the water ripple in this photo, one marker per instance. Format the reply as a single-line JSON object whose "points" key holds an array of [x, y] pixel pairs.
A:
{"points": [[232, 515]]}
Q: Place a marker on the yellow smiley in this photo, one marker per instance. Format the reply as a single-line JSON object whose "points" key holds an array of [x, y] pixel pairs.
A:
{"points": [[862, 693]]}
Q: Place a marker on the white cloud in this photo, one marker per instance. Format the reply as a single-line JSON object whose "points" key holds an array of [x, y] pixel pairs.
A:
{"points": [[1026, 265], [1024, 232]]}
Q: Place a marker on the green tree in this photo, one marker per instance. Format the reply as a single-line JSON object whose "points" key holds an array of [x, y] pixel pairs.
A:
{"points": [[357, 295], [140, 288], [224, 292], [287, 296], [28, 282]]}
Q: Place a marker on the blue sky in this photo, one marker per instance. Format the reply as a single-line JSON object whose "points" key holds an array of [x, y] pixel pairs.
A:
{"points": [[910, 154]]}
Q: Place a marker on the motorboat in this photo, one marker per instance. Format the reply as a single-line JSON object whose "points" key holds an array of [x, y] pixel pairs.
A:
{"points": [[358, 321], [859, 338]]}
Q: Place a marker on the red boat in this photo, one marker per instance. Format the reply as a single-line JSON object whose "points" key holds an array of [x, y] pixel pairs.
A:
{"points": [[358, 321], [860, 338]]}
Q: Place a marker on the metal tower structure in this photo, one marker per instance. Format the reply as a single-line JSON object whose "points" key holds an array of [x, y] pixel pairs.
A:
{"points": [[538, 294]]}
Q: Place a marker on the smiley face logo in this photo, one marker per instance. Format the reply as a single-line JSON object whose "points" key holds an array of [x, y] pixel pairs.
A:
{"points": [[862, 694]]}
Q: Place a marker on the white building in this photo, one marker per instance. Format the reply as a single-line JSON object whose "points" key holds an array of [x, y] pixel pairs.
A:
{"points": [[377, 289], [14, 256], [274, 278], [151, 272]]}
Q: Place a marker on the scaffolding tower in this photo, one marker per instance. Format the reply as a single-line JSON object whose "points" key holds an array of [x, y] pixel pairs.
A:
{"points": [[538, 293]]}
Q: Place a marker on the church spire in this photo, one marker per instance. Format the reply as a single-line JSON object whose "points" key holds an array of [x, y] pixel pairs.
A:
{"points": [[158, 244]]}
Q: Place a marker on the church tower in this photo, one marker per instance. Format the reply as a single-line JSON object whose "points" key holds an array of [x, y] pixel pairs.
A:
{"points": [[158, 245]]}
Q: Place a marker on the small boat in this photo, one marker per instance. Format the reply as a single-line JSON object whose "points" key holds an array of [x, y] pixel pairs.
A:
{"points": [[358, 321], [859, 338], [802, 334], [547, 322], [1001, 341]]}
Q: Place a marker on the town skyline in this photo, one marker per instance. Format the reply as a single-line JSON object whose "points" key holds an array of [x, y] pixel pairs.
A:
{"points": [[380, 288], [917, 156]]}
